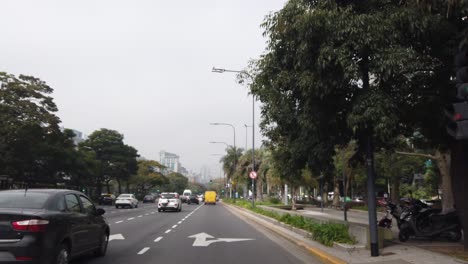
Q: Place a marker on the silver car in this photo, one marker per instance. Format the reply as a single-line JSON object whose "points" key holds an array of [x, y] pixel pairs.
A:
{"points": [[169, 201], [126, 200]]}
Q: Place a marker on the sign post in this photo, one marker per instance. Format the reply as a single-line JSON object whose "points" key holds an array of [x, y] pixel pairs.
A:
{"points": [[253, 176]]}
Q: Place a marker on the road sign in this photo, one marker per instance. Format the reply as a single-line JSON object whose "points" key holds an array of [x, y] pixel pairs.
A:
{"points": [[201, 240], [253, 175]]}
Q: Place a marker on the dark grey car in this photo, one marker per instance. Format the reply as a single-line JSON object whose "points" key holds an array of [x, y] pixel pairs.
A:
{"points": [[49, 226]]}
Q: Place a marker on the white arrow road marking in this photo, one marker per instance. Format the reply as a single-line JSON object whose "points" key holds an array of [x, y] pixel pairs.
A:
{"points": [[200, 240], [116, 237], [143, 251]]}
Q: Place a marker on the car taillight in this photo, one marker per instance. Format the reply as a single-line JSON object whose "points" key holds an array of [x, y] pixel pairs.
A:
{"points": [[33, 225], [24, 258]]}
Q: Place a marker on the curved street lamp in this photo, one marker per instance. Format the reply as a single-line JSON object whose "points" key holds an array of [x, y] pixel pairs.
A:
{"points": [[219, 70]]}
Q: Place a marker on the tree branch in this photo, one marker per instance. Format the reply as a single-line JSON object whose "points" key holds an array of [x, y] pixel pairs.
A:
{"points": [[415, 154]]}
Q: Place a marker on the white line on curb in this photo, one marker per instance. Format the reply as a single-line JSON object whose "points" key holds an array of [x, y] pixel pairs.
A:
{"points": [[143, 251]]}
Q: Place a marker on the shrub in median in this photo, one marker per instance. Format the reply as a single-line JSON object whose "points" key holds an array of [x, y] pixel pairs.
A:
{"points": [[324, 233]]}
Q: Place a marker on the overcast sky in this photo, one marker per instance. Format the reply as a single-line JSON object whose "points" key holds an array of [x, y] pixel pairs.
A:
{"points": [[143, 67]]}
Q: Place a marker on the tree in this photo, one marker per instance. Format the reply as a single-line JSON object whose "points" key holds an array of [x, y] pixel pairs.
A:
{"points": [[230, 161], [29, 129], [148, 176], [116, 160], [177, 183]]}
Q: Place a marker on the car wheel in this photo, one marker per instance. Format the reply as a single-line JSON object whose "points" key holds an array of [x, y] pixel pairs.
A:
{"points": [[63, 255], [117, 206], [180, 209], [136, 206], [101, 251], [455, 236], [159, 210]]}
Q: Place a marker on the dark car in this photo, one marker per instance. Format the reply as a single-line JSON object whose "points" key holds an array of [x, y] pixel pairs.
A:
{"points": [[193, 199], [47, 226], [149, 199], [107, 199]]}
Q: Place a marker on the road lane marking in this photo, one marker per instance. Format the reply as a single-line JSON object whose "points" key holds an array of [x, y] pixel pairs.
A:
{"points": [[180, 222], [152, 212], [140, 216], [146, 214], [167, 231], [174, 226], [118, 222], [158, 239], [143, 251], [131, 218]]}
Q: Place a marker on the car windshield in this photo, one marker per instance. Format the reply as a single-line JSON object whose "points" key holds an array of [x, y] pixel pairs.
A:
{"points": [[148, 196], [168, 195], [30, 200]]}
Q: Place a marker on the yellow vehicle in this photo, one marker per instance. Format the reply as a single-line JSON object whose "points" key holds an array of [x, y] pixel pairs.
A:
{"points": [[210, 197]]}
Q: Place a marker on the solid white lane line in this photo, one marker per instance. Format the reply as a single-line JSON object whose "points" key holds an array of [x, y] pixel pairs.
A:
{"points": [[158, 239], [167, 231], [174, 226], [118, 222], [143, 251], [131, 218]]}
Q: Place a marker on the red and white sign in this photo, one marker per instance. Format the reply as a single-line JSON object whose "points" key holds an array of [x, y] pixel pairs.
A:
{"points": [[253, 175]]}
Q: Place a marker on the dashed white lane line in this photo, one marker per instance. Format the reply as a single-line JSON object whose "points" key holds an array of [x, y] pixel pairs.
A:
{"points": [[140, 216], [174, 226], [131, 218], [152, 212], [118, 222], [167, 231], [146, 214], [180, 222], [143, 251], [158, 239]]}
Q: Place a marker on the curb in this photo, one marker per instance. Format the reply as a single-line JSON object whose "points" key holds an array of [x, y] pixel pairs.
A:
{"points": [[320, 254]]}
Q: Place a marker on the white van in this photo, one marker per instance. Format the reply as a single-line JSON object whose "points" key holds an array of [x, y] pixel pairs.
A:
{"points": [[186, 195]]}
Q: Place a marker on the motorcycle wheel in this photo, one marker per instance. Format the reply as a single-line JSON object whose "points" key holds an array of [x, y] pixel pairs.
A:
{"points": [[454, 236], [403, 236]]}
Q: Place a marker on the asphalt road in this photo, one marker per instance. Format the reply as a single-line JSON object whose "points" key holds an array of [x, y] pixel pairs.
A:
{"points": [[201, 234]]}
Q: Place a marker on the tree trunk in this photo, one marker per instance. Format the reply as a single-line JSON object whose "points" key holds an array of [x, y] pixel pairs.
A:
{"points": [[108, 186], [293, 198], [259, 182], [120, 186], [336, 194], [443, 161], [128, 187], [395, 191]]}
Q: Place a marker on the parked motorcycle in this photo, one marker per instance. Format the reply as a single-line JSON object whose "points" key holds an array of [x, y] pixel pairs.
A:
{"points": [[416, 218], [420, 220]]}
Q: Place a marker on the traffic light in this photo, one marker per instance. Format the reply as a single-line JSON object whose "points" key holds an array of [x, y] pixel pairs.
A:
{"points": [[458, 112]]}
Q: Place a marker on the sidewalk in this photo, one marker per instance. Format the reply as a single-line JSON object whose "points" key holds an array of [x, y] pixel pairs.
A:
{"points": [[393, 253]]}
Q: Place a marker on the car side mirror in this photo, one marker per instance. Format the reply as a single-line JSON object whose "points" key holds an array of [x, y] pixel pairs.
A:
{"points": [[100, 211]]}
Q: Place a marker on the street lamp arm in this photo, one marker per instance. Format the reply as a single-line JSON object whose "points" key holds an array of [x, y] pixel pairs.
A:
{"points": [[219, 70]]}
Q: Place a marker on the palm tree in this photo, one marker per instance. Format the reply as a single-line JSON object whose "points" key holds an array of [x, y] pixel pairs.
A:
{"points": [[230, 161]]}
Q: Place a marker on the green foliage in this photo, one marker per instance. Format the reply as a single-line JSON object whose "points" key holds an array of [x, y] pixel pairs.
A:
{"points": [[336, 70], [177, 183], [324, 233]]}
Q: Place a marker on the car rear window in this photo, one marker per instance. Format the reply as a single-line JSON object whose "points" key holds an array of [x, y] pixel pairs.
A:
{"points": [[168, 195], [124, 196], [29, 200]]}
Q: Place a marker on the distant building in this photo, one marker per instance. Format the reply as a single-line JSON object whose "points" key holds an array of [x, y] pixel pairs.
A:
{"points": [[170, 160], [79, 136]]}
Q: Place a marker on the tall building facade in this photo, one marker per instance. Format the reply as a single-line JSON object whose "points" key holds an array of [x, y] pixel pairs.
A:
{"points": [[170, 160]]}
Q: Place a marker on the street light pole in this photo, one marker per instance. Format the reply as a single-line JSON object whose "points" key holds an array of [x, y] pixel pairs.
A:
{"points": [[218, 70], [246, 126], [235, 151]]}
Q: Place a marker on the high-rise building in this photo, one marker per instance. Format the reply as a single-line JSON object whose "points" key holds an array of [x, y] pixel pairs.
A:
{"points": [[170, 160]]}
